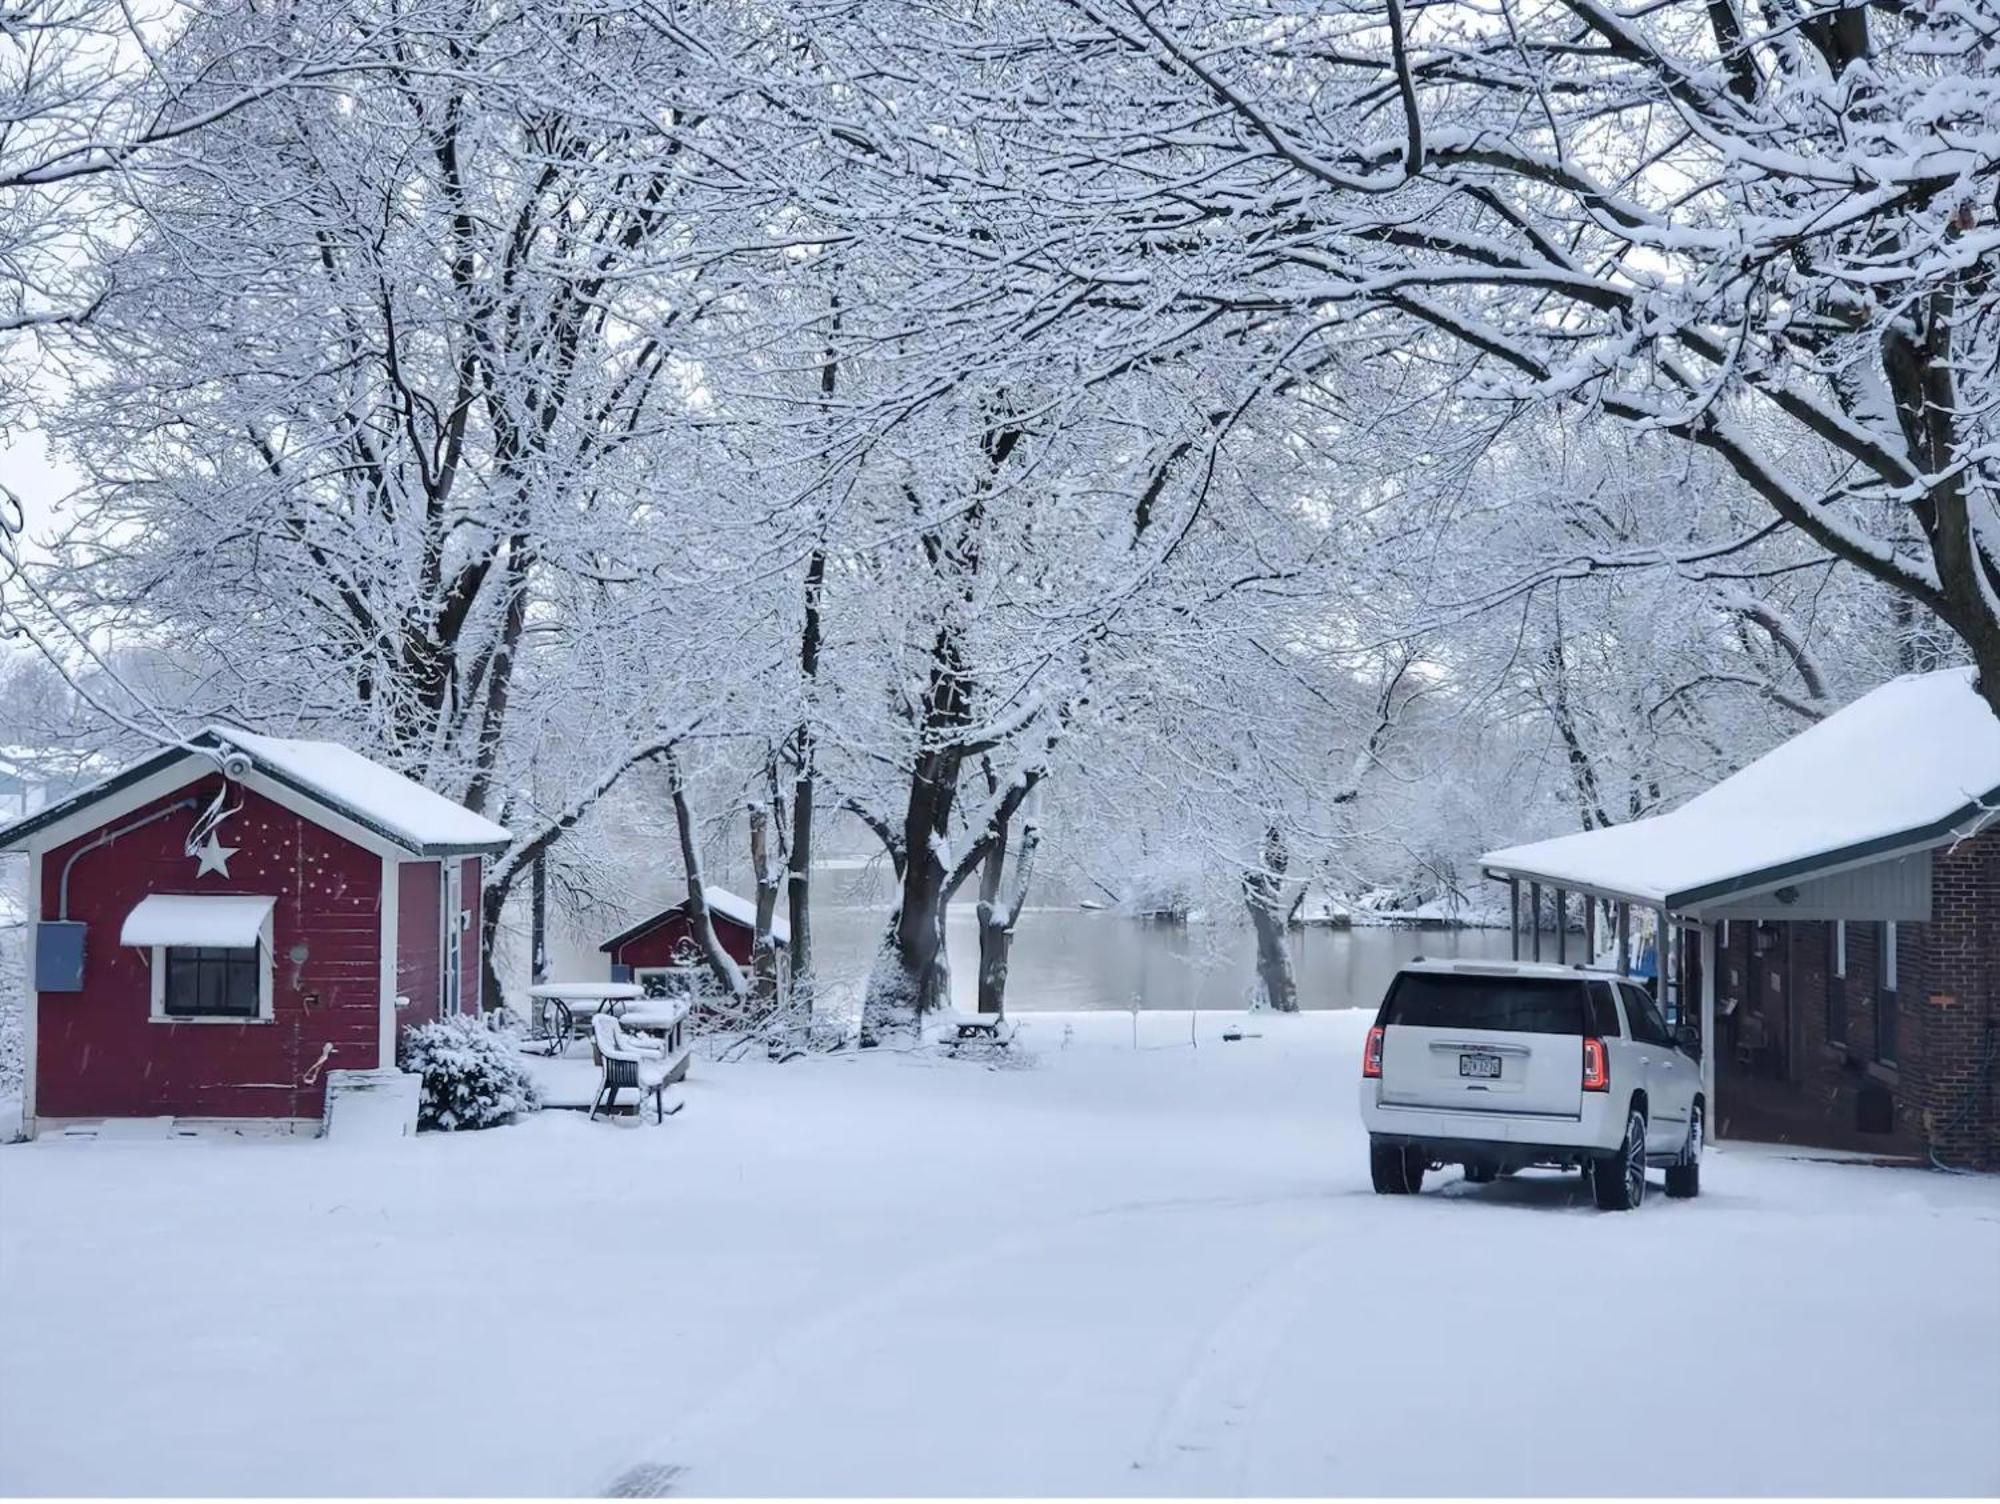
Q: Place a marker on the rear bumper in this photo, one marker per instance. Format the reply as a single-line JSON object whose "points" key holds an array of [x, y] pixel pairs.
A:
{"points": [[1599, 1129]]}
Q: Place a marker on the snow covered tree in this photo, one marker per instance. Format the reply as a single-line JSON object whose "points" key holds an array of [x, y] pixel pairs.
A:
{"points": [[1770, 232]]}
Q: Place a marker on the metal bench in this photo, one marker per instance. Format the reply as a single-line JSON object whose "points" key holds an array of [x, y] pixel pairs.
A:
{"points": [[630, 1065]]}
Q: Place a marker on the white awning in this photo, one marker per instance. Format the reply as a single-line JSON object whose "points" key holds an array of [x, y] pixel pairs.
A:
{"points": [[213, 919]]}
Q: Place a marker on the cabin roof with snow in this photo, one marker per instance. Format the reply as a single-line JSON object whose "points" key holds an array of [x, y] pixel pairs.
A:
{"points": [[1906, 767], [724, 904], [395, 808]]}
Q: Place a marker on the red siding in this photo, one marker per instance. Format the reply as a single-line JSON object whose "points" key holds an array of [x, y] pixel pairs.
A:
{"points": [[656, 946], [417, 969], [98, 1053], [468, 902]]}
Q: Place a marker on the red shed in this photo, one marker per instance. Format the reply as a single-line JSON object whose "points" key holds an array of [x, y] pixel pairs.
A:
{"points": [[665, 942], [219, 927]]}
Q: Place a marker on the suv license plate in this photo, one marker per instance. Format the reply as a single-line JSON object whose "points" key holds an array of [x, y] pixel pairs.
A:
{"points": [[1484, 1067]]}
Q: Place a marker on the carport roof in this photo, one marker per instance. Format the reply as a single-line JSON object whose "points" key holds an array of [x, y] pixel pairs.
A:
{"points": [[1911, 765]]}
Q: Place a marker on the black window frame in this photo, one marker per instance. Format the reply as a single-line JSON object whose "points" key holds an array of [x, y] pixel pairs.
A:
{"points": [[213, 973], [1836, 984]]}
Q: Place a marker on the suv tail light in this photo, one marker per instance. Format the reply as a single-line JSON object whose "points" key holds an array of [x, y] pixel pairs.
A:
{"points": [[1371, 1055], [1596, 1066]]}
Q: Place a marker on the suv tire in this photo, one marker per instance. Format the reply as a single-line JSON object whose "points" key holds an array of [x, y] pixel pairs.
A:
{"points": [[1481, 1174], [1684, 1177], [1396, 1171], [1618, 1179]]}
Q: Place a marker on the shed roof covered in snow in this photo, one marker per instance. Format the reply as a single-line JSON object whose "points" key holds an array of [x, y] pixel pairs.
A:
{"points": [[1911, 765], [724, 904], [398, 809]]}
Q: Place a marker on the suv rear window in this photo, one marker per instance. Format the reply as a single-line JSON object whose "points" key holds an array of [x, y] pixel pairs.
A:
{"points": [[1510, 1005]]}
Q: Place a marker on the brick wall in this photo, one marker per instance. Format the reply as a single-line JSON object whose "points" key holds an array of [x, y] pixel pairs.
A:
{"points": [[1832, 1041], [1957, 1009]]}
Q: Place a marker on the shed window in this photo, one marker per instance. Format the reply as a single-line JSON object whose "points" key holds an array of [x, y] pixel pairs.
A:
{"points": [[1836, 983], [211, 982]]}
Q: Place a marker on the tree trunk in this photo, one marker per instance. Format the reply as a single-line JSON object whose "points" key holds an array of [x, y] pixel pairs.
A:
{"points": [[492, 899], [538, 927], [727, 974], [764, 950], [1263, 895], [804, 755], [908, 978], [999, 917]]}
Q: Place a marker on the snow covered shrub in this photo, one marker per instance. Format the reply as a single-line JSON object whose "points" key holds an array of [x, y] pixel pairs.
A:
{"points": [[473, 1077]]}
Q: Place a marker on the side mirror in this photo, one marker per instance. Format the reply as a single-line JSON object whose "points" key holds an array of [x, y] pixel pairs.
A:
{"points": [[1688, 1039]]}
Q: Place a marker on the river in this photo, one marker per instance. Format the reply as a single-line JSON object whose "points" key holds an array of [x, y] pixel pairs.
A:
{"points": [[1081, 958]]}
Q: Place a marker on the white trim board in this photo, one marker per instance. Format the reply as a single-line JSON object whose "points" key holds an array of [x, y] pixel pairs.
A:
{"points": [[192, 769], [32, 1013], [390, 896]]}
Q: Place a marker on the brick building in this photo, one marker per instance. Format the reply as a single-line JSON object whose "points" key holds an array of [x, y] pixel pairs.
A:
{"points": [[1831, 919]]}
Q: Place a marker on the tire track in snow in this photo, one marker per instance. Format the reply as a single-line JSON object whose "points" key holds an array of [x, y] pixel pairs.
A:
{"points": [[747, 1399], [755, 1396], [1203, 1439]]}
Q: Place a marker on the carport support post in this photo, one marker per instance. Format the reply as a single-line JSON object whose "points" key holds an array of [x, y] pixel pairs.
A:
{"points": [[1624, 938], [1708, 965], [1535, 917], [1562, 926], [1514, 914], [1663, 967]]}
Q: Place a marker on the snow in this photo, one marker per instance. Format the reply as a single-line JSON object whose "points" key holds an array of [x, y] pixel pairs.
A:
{"points": [[588, 991], [1113, 1270], [1914, 753], [385, 799], [233, 920], [744, 911]]}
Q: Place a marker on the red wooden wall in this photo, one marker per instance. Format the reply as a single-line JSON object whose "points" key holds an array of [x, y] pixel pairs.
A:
{"points": [[98, 1053], [656, 946]]}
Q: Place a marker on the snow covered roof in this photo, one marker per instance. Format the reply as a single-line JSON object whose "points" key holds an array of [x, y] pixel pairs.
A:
{"points": [[1911, 764], [384, 801], [731, 906], [400, 810], [230, 921]]}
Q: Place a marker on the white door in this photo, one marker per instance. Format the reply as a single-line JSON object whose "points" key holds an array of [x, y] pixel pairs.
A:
{"points": [[1669, 1087]]}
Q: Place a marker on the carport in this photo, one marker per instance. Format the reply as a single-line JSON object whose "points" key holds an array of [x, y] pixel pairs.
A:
{"points": [[1856, 820]]}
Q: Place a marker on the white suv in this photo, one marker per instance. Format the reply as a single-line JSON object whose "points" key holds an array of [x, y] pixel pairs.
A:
{"points": [[1497, 1065]]}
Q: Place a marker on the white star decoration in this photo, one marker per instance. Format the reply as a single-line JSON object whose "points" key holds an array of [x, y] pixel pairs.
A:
{"points": [[213, 856]]}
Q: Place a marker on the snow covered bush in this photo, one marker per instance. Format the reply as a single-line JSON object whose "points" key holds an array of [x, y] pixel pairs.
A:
{"points": [[473, 1078]]}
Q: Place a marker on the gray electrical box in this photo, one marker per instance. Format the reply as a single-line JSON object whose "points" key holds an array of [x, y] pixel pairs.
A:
{"points": [[621, 973], [59, 956]]}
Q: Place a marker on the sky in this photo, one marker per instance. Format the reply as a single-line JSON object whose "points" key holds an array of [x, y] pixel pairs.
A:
{"points": [[40, 480]]}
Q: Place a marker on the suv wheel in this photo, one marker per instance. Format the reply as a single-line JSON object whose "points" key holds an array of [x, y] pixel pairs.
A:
{"points": [[1684, 1178], [1396, 1171], [1481, 1174], [1618, 1179]]}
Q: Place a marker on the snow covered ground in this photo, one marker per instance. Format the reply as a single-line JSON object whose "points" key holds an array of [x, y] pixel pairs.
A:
{"points": [[1119, 1271]]}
